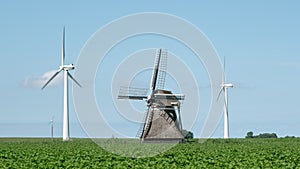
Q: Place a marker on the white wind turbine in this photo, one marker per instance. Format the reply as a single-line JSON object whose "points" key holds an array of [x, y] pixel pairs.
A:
{"points": [[51, 123], [224, 87], [65, 68]]}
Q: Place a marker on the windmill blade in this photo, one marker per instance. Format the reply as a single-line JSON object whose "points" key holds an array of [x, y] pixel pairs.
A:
{"points": [[224, 64], [162, 70], [223, 73], [224, 70], [132, 97], [63, 49], [223, 78], [155, 72], [74, 79], [226, 104], [170, 96], [132, 93], [52, 119], [50, 122], [147, 122], [55, 74], [222, 88]]}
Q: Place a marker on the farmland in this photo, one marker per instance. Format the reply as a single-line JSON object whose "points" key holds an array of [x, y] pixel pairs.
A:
{"points": [[214, 153]]}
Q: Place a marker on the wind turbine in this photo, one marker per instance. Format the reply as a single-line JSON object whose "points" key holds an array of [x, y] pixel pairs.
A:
{"points": [[224, 88], [65, 68], [51, 123]]}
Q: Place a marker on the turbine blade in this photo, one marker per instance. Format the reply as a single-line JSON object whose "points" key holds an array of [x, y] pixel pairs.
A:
{"points": [[223, 75], [63, 49], [224, 63], [155, 72], [220, 92], [226, 106], [223, 78], [74, 79], [55, 74]]}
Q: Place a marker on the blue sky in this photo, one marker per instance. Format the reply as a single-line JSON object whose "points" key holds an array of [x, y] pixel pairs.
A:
{"points": [[259, 39]]}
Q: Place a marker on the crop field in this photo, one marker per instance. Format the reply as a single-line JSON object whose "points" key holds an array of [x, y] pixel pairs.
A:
{"points": [[213, 153]]}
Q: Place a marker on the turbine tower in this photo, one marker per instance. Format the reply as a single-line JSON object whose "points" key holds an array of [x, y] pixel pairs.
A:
{"points": [[51, 123], [65, 68], [224, 88]]}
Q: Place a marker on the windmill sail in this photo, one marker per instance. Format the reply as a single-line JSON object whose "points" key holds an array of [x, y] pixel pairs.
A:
{"points": [[162, 70], [155, 71], [132, 93]]}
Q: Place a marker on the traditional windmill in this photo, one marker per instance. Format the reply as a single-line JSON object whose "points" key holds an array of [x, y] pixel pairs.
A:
{"points": [[162, 120]]}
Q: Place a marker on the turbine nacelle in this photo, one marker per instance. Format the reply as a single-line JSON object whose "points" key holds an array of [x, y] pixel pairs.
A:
{"points": [[227, 85], [67, 67]]}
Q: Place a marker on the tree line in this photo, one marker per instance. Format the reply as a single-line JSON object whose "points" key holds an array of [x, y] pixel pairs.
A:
{"points": [[263, 135]]}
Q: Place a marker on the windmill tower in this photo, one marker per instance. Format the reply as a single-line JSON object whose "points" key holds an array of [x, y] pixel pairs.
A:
{"points": [[162, 120], [224, 88], [65, 68]]}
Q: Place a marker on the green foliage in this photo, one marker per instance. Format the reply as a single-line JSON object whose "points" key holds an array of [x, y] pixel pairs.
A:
{"points": [[187, 134], [249, 134], [289, 137], [267, 135], [264, 135], [213, 153]]}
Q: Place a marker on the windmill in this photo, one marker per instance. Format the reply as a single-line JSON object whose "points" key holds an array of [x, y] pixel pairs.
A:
{"points": [[224, 88], [51, 123], [65, 68], [162, 120]]}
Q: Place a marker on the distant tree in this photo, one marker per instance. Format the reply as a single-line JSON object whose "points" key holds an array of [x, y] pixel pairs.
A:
{"points": [[267, 135], [289, 137], [249, 134], [264, 135], [187, 134]]}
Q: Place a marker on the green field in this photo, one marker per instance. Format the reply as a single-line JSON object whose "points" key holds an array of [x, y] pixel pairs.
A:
{"points": [[214, 153]]}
